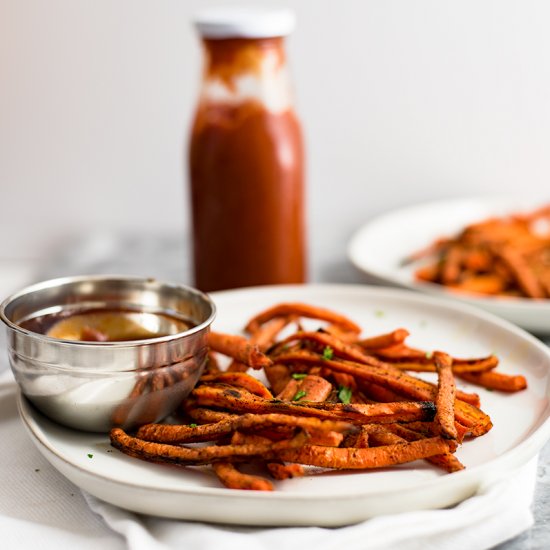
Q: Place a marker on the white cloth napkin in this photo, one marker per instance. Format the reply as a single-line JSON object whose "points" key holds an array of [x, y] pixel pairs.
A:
{"points": [[40, 508], [38, 504], [499, 513]]}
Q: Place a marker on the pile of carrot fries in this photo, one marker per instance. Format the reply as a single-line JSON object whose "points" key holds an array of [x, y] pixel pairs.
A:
{"points": [[504, 256], [332, 398]]}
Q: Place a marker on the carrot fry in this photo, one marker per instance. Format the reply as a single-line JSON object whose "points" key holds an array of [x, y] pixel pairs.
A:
{"points": [[372, 457], [445, 397], [344, 335], [400, 352], [207, 416], [450, 271], [167, 433], [526, 279], [281, 471], [344, 380], [277, 468], [383, 394], [241, 380], [325, 343], [236, 366], [384, 340], [495, 380], [212, 364], [310, 388], [302, 310], [446, 461], [459, 365], [289, 391], [263, 338], [238, 401], [490, 283], [426, 429], [162, 452], [233, 479], [239, 348], [278, 377]]}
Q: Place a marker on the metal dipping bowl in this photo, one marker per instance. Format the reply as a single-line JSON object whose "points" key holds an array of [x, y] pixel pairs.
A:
{"points": [[95, 386]]}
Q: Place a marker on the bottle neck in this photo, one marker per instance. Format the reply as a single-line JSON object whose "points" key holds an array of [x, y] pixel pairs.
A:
{"points": [[243, 69]]}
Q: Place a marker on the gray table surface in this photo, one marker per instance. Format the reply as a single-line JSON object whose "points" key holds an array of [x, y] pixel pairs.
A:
{"points": [[167, 258]]}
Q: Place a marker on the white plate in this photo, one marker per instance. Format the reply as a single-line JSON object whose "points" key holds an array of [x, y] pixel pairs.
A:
{"points": [[521, 425], [380, 246]]}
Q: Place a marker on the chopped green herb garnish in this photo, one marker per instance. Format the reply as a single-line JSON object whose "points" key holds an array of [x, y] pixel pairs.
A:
{"points": [[379, 313], [193, 425], [328, 353], [428, 355], [344, 395], [299, 395], [299, 375], [423, 323], [90, 455]]}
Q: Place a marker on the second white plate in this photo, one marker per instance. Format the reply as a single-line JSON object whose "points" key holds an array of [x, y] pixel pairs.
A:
{"points": [[379, 248]]}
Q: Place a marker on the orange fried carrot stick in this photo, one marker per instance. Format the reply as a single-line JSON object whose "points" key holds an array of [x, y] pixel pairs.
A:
{"points": [[239, 348], [310, 388], [174, 454], [459, 365], [280, 470], [241, 380], [525, 277], [204, 415], [445, 397], [426, 429], [277, 468], [399, 352], [267, 333], [371, 457], [263, 338], [242, 401], [495, 380], [446, 461], [384, 340], [234, 479], [278, 377], [301, 310], [381, 435], [324, 340], [176, 433], [450, 270], [385, 394]]}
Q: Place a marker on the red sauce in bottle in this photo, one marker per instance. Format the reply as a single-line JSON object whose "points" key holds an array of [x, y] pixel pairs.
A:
{"points": [[246, 170]]}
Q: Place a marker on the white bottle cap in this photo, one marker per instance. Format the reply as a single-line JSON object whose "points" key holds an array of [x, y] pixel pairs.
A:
{"points": [[244, 22]]}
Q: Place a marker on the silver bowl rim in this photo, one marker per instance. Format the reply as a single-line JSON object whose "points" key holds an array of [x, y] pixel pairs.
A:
{"points": [[49, 283]]}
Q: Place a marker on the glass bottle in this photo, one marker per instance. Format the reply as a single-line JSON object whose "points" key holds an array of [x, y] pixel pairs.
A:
{"points": [[246, 156]]}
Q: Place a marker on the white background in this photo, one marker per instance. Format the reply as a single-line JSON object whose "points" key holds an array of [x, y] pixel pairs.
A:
{"points": [[402, 101]]}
